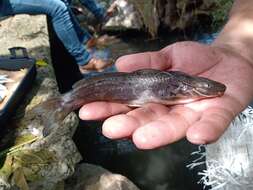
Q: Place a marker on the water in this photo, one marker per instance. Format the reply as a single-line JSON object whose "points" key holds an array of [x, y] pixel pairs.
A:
{"points": [[160, 169]]}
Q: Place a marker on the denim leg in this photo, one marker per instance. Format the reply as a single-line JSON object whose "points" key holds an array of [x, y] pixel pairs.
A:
{"points": [[94, 7], [83, 35], [5, 8], [67, 2], [61, 21], [98, 11]]}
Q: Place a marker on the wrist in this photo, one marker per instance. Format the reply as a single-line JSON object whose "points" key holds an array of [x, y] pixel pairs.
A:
{"points": [[237, 35]]}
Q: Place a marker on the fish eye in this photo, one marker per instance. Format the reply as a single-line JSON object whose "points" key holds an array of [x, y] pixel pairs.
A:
{"points": [[203, 85], [206, 85]]}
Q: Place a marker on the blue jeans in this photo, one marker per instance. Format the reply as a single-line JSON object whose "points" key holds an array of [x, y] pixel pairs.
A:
{"points": [[64, 22]]}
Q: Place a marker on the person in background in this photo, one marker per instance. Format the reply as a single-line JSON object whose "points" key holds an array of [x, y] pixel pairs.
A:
{"points": [[229, 59], [65, 25], [98, 11], [102, 15]]}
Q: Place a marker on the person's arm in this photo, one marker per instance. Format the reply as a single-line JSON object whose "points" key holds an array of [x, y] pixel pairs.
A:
{"points": [[237, 34]]}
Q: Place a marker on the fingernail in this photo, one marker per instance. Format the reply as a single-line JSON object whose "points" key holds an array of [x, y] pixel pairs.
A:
{"points": [[198, 141]]}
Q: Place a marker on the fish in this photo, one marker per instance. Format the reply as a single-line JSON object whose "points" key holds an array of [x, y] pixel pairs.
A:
{"points": [[131, 88]]}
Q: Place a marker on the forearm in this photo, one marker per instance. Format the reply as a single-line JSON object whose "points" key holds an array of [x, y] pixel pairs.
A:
{"points": [[237, 34]]}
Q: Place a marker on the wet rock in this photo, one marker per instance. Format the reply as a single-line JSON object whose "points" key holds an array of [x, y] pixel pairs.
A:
{"points": [[91, 177], [25, 31]]}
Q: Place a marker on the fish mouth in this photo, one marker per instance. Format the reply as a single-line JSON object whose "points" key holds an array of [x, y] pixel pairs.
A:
{"points": [[209, 95]]}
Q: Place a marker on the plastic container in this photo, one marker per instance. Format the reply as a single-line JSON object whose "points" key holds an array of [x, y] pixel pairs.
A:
{"points": [[17, 60]]}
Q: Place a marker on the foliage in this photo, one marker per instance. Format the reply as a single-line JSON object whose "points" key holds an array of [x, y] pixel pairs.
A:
{"points": [[21, 166], [220, 13], [148, 12]]}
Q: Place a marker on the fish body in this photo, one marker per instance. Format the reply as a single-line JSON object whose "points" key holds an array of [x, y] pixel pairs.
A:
{"points": [[143, 86], [134, 89]]}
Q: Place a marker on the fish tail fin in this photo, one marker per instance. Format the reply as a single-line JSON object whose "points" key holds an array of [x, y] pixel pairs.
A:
{"points": [[51, 113]]}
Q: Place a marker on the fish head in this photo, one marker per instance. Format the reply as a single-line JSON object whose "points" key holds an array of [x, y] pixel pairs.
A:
{"points": [[192, 88], [207, 88]]}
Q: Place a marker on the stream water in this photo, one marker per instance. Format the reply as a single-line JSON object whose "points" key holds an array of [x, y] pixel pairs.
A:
{"points": [[160, 169]]}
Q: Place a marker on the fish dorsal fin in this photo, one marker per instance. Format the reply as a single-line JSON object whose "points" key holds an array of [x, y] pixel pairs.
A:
{"points": [[98, 77]]}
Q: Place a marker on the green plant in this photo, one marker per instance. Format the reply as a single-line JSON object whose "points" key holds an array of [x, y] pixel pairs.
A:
{"points": [[220, 13]]}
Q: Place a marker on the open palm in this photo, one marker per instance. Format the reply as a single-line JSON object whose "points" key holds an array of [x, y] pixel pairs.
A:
{"points": [[204, 121]]}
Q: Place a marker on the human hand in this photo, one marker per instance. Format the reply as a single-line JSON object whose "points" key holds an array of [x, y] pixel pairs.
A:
{"points": [[201, 122]]}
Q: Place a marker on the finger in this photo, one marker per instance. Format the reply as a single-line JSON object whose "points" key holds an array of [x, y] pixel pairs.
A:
{"points": [[121, 126], [154, 60], [210, 127], [168, 129], [101, 110]]}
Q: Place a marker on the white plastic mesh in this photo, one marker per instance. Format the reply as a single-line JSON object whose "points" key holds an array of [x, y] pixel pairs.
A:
{"points": [[229, 161]]}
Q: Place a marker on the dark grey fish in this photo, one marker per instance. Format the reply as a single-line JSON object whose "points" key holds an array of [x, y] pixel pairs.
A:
{"points": [[133, 89]]}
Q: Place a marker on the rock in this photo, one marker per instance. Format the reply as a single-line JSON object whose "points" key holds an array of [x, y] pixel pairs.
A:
{"points": [[33, 161], [91, 177], [171, 14], [148, 11], [127, 17], [25, 31], [39, 163], [153, 15]]}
